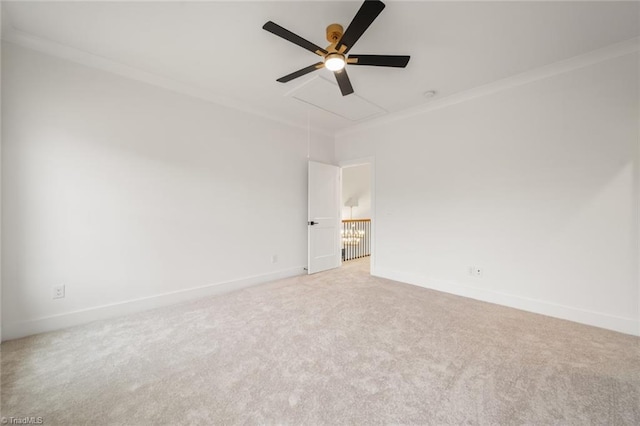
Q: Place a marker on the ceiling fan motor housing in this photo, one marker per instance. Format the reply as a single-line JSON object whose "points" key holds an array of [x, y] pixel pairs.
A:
{"points": [[334, 33]]}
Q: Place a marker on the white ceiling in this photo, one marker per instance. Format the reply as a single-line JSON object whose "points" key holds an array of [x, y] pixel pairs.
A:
{"points": [[221, 47]]}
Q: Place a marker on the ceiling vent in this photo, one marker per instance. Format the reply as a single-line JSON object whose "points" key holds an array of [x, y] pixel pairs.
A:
{"points": [[322, 93]]}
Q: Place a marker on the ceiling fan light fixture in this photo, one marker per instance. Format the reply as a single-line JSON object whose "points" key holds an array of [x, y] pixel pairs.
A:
{"points": [[334, 61], [334, 57]]}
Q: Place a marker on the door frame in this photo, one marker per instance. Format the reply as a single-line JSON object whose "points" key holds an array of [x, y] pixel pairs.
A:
{"points": [[372, 179]]}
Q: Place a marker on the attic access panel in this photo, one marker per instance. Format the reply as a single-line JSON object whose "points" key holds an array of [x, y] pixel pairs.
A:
{"points": [[321, 93]]}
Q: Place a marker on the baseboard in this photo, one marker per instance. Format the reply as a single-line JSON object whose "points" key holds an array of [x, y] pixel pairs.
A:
{"points": [[15, 330], [597, 319]]}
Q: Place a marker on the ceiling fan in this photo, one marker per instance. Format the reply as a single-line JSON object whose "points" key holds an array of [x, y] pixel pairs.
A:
{"points": [[335, 55]]}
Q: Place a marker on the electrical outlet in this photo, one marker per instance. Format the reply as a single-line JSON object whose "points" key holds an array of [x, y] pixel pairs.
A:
{"points": [[274, 258], [58, 292]]}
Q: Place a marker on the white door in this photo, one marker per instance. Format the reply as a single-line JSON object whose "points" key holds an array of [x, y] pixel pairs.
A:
{"points": [[324, 217]]}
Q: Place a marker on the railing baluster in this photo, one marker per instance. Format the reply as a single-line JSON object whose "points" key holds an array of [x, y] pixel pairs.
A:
{"points": [[366, 232], [364, 240], [369, 237], [352, 240], [349, 240], [359, 240], [356, 238]]}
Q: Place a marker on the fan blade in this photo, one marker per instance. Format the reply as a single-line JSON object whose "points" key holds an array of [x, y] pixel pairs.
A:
{"points": [[301, 72], [367, 13], [344, 82], [276, 29], [379, 60]]}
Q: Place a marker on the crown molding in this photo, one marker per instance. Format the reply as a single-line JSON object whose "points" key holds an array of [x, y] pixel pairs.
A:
{"points": [[30, 41], [600, 55], [82, 57]]}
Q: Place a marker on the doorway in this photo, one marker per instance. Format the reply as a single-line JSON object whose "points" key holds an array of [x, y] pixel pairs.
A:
{"points": [[357, 205]]}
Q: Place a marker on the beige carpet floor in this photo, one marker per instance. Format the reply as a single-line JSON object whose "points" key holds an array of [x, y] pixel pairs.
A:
{"points": [[339, 347]]}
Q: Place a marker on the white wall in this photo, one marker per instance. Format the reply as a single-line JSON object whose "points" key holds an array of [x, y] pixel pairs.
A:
{"points": [[133, 196], [356, 183], [1, 17], [537, 184]]}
